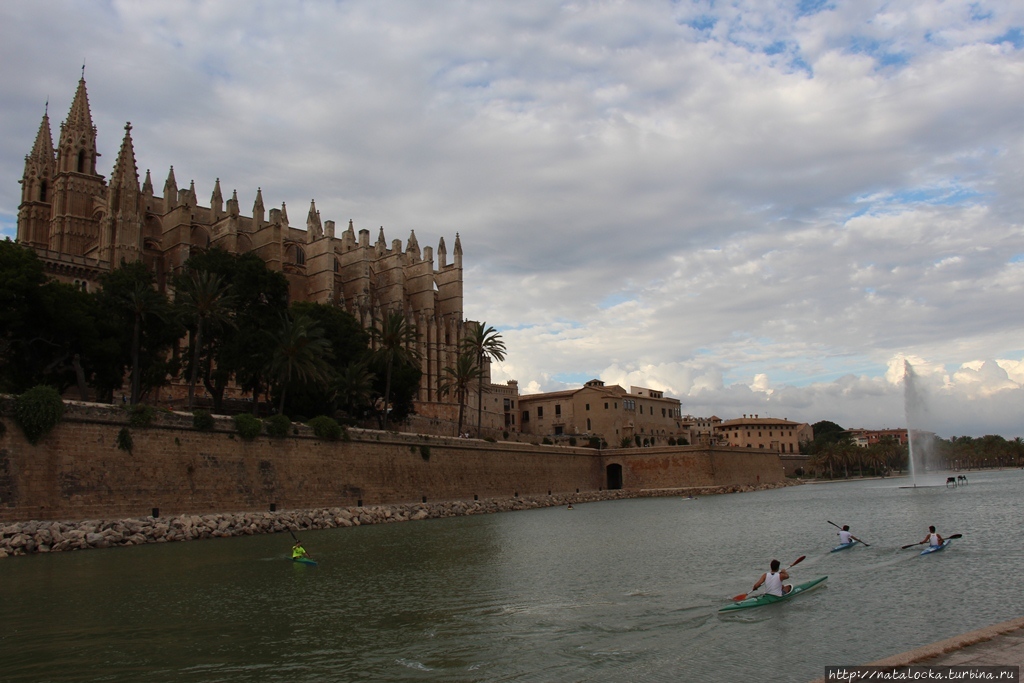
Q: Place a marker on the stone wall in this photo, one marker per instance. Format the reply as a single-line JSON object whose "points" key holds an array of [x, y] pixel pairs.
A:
{"points": [[79, 472]]}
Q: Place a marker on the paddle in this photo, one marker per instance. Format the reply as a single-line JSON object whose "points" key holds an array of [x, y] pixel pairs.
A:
{"points": [[866, 545], [743, 596], [948, 538]]}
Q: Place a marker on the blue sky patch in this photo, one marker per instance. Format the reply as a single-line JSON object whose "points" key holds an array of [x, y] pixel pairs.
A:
{"points": [[573, 378], [806, 8], [613, 300], [1017, 258], [1014, 36], [704, 22]]}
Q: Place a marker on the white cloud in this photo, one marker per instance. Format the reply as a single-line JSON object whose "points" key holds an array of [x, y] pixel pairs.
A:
{"points": [[721, 199]]}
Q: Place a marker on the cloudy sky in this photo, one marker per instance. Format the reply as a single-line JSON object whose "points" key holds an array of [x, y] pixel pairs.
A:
{"points": [[757, 206]]}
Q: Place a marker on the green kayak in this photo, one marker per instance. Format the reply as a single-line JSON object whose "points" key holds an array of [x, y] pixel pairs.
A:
{"points": [[762, 600]]}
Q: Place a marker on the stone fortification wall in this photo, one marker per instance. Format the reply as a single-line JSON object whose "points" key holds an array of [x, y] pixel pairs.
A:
{"points": [[685, 466], [78, 471]]}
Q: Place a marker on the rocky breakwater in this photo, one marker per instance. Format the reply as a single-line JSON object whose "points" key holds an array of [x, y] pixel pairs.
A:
{"points": [[24, 538]]}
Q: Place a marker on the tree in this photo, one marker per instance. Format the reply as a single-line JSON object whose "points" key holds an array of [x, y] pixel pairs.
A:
{"points": [[457, 380], [349, 345], [353, 389], [395, 344], [301, 354], [203, 297], [484, 343], [141, 324], [241, 351], [48, 330]]}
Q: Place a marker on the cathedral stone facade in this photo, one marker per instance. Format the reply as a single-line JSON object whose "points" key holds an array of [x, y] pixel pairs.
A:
{"points": [[82, 226]]}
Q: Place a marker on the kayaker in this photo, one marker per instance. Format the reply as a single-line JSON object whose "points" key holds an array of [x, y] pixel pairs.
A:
{"points": [[773, 579], [933, 539], [846, 537], [298, 552]]}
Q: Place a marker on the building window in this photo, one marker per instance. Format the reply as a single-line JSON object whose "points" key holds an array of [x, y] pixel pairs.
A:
{"points": [[526, 416], [558, 409], [606, 405], [663, 412], [540, 412], [558, 431], [588, 424], [588, 406]]}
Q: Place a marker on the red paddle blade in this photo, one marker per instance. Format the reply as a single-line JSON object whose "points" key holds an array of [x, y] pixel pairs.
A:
{"points": [[741, 596], [798, 561]]}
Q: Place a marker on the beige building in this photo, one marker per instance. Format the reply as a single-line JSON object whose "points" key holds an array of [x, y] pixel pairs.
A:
{"points": [[768, 433], [81, 226], [608, 412], [701, 430]]}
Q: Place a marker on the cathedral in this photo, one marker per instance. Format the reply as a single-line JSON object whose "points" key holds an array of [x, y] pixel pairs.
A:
{"points": [[82, 226]]}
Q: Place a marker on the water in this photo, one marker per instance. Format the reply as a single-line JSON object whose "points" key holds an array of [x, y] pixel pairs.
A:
{"points": [[613, 591]]}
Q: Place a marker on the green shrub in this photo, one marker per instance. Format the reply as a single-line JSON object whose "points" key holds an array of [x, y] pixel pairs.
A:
{"points": [[326, 428], [572, 440], [140, 415], [546, 441], [248, 425], [124, 440], [425, 452], [38, 411], [504, 435], [278, 426], [595, 442], [202, 420], [671, 441], [626, 442]]}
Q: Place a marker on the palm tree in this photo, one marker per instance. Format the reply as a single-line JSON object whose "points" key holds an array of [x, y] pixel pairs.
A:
{"points": [[485, 344], [141, 301], [353, 388], [395, 342], [300, 354], [458, 379], [203, 296]]}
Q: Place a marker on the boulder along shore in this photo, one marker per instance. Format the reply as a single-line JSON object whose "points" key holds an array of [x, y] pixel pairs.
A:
{"points": [[25, 538]]}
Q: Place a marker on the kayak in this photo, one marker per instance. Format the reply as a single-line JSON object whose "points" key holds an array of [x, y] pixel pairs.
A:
{"points": [[762, 600], [844, 546], [936, 548], [304, 560]]}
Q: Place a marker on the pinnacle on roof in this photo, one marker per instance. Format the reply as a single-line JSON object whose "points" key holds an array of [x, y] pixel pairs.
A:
{"points": [[125, 172], [258, 204], [80, 116], [458, 244], [147, 184], [42, 150], [171, 184]]}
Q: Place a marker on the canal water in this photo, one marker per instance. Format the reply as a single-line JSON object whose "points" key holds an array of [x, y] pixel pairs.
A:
{"points": [[614, 591]]}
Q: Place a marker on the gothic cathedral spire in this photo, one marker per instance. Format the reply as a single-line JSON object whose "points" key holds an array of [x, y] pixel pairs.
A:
{"points": [[121, 227], [74, 226], [37, 188]]}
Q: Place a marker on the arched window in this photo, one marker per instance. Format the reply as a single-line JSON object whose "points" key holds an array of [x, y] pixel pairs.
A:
{"points": [[81, 161], [42, 191]]}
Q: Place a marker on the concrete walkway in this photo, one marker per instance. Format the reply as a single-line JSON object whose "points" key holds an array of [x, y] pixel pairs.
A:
{"points": [[998, 645]]}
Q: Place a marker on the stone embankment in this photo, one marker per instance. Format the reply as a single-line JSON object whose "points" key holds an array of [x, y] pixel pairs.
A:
{"points": [[23, 538]]}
